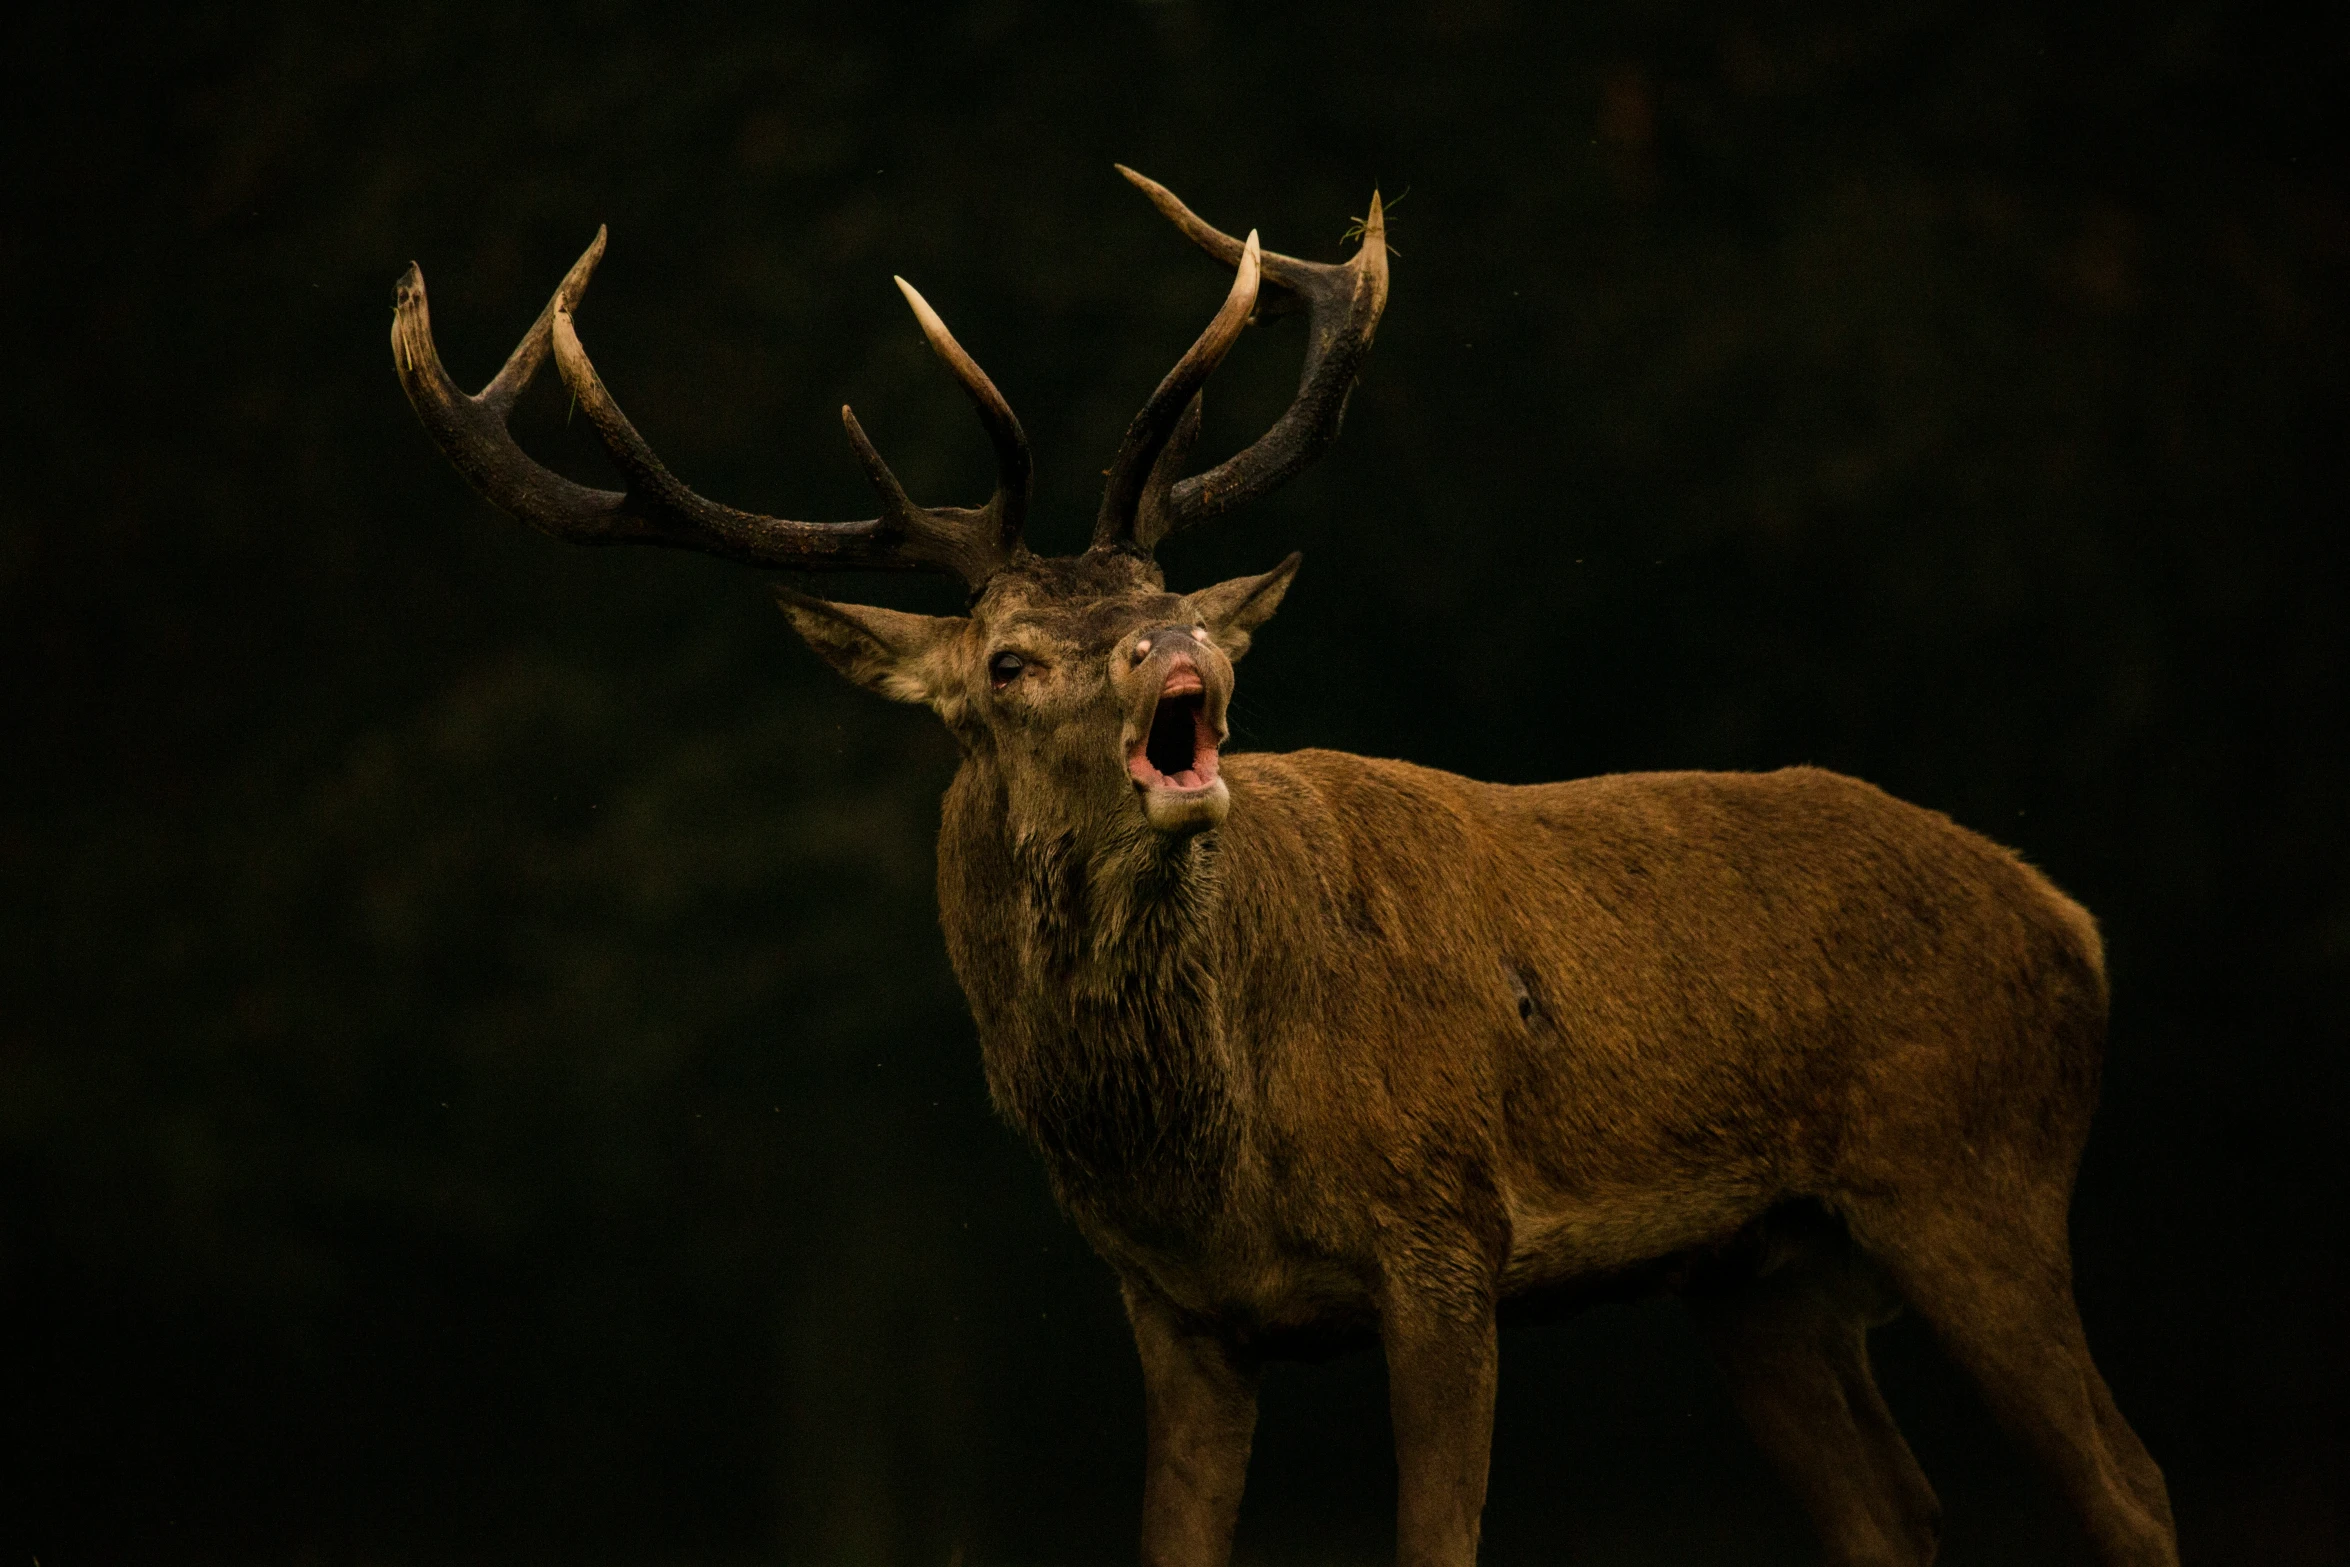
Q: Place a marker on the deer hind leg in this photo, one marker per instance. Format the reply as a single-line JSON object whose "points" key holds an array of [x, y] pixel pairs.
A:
{"points": [[1793, 1345], [1994, 1281]]}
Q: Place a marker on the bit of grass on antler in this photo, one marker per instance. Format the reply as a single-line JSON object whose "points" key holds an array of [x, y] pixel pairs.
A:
{"points": [[1357, 227]]}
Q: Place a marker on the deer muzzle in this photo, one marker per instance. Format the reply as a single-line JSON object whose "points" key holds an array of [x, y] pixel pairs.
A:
{"points": [[1180, 685]]}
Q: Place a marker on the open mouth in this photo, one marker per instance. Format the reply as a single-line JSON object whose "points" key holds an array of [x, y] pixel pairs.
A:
{"points": [[1179, 752]]}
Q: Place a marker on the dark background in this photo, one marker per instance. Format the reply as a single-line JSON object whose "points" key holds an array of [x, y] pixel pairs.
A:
{"points": [[479, 1078]]}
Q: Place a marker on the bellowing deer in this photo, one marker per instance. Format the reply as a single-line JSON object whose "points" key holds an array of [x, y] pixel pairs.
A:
{"points": [[1323, 1050]]}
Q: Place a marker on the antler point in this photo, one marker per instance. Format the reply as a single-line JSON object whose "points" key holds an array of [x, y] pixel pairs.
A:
{"points": [[409, 291]]}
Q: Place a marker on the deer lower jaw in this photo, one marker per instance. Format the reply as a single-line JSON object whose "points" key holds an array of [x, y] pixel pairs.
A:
{"points": [[1173, 808], [1173, 764]]}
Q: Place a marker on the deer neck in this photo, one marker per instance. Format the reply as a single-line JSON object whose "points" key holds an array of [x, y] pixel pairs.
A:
{"points": [[1090, 952]]}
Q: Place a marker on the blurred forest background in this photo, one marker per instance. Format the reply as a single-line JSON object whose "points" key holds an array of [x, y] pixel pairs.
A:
{"points": [[479, 1078]]}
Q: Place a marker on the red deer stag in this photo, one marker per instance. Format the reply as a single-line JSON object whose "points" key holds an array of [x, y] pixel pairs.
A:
{"points": [[1322, 1050]]}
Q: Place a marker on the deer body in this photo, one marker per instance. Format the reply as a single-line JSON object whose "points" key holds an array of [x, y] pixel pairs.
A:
{"points": [[1528, 1036], [1321, 1050]]}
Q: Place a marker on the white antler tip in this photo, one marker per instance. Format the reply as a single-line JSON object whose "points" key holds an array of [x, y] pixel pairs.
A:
{"points": [[932, 326]]}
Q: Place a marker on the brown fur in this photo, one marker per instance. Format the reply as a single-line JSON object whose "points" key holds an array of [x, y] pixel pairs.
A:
{"points": [[1371, 1050], [1321, 1049]]}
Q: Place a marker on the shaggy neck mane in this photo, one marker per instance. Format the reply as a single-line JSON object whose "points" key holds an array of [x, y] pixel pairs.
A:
{"points": [[1110, 1048]]}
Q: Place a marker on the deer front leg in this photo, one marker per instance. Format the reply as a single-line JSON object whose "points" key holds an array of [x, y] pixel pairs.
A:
{"points": [[1441, 1365], [1200, 1406]]}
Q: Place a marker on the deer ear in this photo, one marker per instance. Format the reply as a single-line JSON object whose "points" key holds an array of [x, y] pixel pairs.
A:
{"points": [[902, 656], [1233, 610]]}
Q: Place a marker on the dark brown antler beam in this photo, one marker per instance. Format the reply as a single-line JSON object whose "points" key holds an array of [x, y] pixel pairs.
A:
{"points": [[658, 508], [1342, 301]]}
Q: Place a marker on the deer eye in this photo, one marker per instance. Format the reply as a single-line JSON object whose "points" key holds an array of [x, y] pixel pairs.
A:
{"points": [[1005, 668]]}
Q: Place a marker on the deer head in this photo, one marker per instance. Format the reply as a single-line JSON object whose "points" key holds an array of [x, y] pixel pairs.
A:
{"points": [[1094, 692]]}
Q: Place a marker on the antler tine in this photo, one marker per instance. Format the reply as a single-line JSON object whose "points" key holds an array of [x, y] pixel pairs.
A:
{"points": [[471, 431], [1172, 408], [1150, 517], [656, 507], [1343, 302], [1015, 468]]}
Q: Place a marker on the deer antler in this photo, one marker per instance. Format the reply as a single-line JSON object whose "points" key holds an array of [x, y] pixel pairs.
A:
{"points": [[656, 507], [1144, 501], [1161, 434]]}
